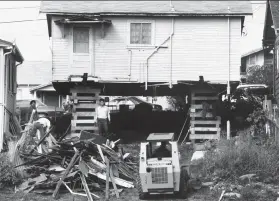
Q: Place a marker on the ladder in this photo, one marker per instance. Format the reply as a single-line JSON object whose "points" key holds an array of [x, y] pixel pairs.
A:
{"points": [[203, 128], [84, 108]]}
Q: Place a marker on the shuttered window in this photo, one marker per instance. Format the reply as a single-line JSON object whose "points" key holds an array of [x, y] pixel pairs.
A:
{"points": [[81, 40], [141, 33]]}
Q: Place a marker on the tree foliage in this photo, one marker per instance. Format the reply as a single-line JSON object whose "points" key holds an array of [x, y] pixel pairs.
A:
{"points": [[260, 75], [176, 102]]}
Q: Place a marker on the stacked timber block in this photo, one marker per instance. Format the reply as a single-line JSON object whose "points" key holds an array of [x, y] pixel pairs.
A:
{"points": [[207, 128], [85, 102]]}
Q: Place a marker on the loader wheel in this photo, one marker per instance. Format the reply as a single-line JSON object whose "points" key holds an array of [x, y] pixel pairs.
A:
{"points": [[183, 184], [141, 194]]}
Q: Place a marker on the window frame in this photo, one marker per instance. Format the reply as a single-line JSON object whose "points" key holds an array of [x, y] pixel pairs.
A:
{"points": [[152, 22], [89, 35], [255, 57]]}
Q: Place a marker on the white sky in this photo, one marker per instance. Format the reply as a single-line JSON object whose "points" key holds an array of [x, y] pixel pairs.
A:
{"points": [[33, 41]]}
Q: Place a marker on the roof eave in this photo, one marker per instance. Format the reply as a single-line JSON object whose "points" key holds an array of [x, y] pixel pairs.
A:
{"points": [[171, 14], [19, 57]]}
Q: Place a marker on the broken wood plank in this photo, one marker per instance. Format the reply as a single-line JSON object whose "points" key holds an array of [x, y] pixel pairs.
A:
{"points": [[101, 165], [118, 181], [107, 177], [113, 182], [86, 187], [76, 155], [100, 152], [74, 193]]}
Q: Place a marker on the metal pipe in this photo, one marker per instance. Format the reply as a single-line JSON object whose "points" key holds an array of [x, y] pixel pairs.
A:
{"points": [[155, 50], [171, 61], [130, 60], [228, 85]]}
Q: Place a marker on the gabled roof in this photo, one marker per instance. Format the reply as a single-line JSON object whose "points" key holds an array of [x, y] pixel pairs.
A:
{"points": [[17, 53], [161, 8], [43, 87], [252, 52], [271, 19]]}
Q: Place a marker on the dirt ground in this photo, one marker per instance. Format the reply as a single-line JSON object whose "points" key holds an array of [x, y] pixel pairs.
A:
{"points": [[203, 194], [126, 195]]}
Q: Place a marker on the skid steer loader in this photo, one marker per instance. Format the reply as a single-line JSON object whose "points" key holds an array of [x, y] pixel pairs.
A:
{"points": [[159, 167]]}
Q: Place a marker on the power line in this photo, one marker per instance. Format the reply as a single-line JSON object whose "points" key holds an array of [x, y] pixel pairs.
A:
{"points": [[19, 7], [22, 21]]}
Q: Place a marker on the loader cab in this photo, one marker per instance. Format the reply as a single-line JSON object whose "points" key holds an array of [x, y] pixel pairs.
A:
{"points": [[159, 145]]}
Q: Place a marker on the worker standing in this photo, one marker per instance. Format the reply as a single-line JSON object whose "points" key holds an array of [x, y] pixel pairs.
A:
{"points": [[32, 113], [102, 117]]}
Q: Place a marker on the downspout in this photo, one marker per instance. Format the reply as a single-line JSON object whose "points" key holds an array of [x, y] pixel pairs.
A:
{"points": [[171, 61], [2, 96], [155, 50], [228, 85], [130, 60]]}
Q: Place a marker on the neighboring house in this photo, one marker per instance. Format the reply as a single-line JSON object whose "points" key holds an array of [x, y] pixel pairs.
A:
{"points": [[10, 58], [34, 82], [257, 57], [271, 40], [47, 94], [126, 46]]}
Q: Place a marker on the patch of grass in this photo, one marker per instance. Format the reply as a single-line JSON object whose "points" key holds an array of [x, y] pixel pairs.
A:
{"points": [[235, 158]]}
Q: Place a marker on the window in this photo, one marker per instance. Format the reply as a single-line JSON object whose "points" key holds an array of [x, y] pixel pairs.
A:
{"points": [[252, 59], [81, 40], [141, 33]]}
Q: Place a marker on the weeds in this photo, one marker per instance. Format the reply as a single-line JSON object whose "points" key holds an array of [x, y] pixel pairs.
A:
{"points": [[234, 158], [8, 175]]}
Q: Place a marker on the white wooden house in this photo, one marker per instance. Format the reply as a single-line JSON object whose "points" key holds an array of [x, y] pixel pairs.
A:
{"points": [[150, 48], [141, 43], [10, 58]]}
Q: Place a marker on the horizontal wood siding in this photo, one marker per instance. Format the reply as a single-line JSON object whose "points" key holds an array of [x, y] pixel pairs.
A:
{"points": [[200, 47]]}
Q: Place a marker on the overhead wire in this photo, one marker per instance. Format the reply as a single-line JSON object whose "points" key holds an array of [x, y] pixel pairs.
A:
{"points": [[12, 8], [21, 21]]}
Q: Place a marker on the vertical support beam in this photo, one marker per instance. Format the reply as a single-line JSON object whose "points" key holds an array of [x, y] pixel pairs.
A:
{"points": [[107, 177], [2, 95], [59, 100], [228, 86]]}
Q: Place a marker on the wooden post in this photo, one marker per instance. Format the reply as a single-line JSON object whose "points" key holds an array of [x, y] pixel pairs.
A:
{"points": [[72, 162], [86, 187], [107, 177], [113, 182]]}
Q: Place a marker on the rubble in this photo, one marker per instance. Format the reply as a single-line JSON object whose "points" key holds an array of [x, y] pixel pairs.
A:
{"points": [[90, 161]]}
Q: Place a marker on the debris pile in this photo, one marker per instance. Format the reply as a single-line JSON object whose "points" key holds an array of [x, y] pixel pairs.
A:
{"points": [[80, 165]]}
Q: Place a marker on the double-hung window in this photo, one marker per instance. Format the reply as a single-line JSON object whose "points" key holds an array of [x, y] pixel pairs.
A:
{"points": [[252, 59], [81, 40], [141, 33]]}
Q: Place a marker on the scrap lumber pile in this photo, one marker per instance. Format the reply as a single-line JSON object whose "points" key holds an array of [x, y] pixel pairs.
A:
{"points": [[80, 166]]}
